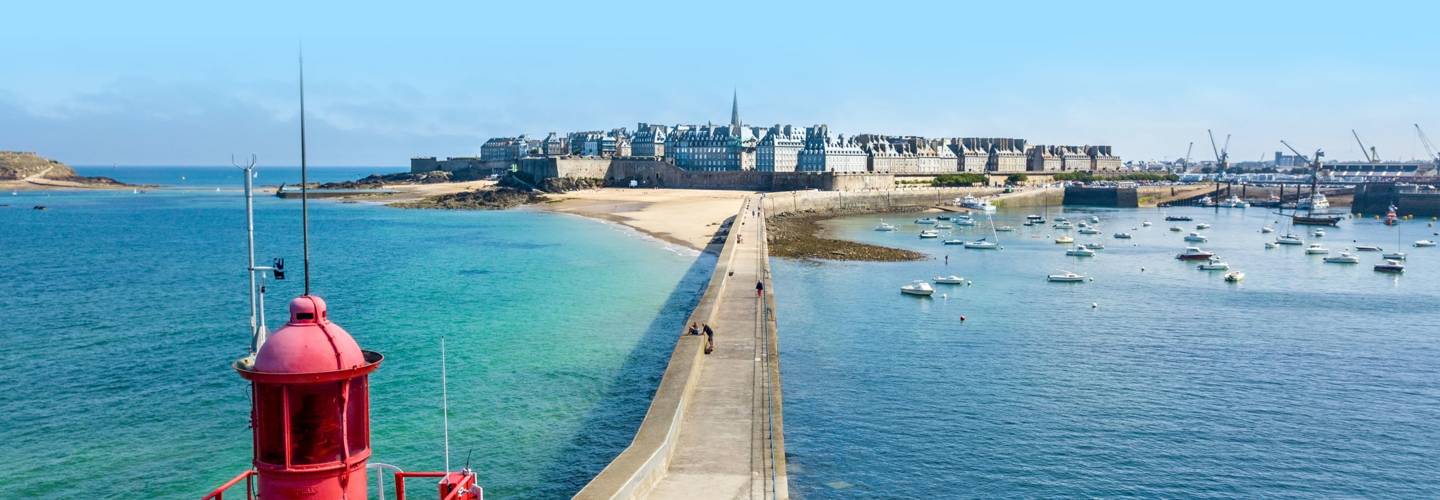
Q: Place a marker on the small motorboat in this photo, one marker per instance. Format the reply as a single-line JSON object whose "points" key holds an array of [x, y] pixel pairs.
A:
{"points": [[1368, 248], [1066, 277], [949, 280], [1061, 219], [1234, 277], [1065, 239], [1123, 236], [1095, 245], [1177, 218], [1080, 251], [1343, 258], [1318, 233], [1316, 249], [1194, 253], [884, 226], [1034, 219], [1266, 230], [1196, 238], [944, 226], [1005, 229], [1393, 256], [1094, 219], [1176, 229], [1289, 239], [929, 233], [1202, 225], [963, 221], [1146, 223], [1029, 223], [925, 220], [1214, 264], [1089, 230], [942, 217], [42, 207], [1234, 202], [918, 287], [1390, 266], [982, 244], [954, 242], [1063, 225], [1424, 243], [1271, 244]]}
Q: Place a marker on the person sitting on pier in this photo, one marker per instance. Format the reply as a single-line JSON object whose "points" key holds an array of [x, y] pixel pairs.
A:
{"points": [[709, 339], [694, 328]]}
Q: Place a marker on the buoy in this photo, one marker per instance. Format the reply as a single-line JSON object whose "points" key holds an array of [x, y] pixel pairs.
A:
{"points": [[962, 318], [1094, 305]]}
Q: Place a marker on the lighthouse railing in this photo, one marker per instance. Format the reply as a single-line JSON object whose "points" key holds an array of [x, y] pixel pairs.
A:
{"points": [[247, 476]]}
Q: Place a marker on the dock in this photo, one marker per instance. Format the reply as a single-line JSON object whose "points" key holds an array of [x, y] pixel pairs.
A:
{"points": [[715, 428]]}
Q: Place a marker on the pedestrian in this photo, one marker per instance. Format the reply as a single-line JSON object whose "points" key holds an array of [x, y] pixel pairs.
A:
{"points": [[709, 339], [759, 288], [947, 260], [694, 329]]}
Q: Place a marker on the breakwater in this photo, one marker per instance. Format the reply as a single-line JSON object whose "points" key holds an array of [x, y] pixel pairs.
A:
{"points": [[1377, 198], [715, 427]]}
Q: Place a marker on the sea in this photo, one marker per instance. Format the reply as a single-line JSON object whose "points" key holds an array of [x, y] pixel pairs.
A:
{"points": [[1305, 380], [124, 310]]}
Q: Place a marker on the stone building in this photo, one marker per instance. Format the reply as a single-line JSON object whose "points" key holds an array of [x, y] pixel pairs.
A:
{"points": [[1103, 159], [970, 159], [649, 140], [505, 149], [709, 148], [824, 154], [1002, 155], [779, 149], [554, 145], [1074, 159], [933, 156], [1042, 158], [882, 156]]}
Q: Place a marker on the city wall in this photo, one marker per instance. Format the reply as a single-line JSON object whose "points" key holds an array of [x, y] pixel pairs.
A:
{"points": [[842, 202], [1102, 196]]}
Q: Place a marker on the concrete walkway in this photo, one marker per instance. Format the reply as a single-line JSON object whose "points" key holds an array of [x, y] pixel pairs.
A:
{"points": [[725, 448]]}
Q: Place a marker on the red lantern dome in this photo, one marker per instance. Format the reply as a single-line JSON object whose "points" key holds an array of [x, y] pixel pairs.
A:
{"points": [[309, 343]]}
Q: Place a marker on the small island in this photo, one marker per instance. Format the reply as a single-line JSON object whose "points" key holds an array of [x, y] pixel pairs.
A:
{"points": [[24, 170]]}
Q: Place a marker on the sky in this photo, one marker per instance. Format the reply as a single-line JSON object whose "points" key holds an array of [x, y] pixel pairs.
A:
{"points": [[190, 83]]}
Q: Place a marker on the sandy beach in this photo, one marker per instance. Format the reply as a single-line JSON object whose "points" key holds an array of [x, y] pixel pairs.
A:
{"points": [[688, 217]]}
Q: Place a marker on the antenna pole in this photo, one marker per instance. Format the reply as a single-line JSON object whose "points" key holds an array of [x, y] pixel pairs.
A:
{"points": [[250, 250], [445, 404], [304, 184]]}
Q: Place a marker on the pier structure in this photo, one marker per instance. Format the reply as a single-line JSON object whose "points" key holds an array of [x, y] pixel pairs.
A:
{"points": [[715, 428]]}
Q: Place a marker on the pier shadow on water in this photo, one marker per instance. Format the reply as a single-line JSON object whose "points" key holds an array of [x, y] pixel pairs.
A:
{"points": [[611, 424]]}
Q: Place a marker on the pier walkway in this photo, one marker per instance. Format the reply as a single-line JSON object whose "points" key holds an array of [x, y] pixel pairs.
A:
{"points": [[715, 427]]}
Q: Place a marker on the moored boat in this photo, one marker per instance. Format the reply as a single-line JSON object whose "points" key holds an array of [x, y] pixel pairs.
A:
{"points": [[1066, 277], [1424, 243], [918, 287], [1080, 251], [1343, 258], [884, 226], [1065, 239], [1289, 239], [1123, 236], [929, 233], [949, 280], [1316, 249], [1390, 266], [1194, 253], [925, 220], [1234, 277], [1196, 238], [1214, 264]]}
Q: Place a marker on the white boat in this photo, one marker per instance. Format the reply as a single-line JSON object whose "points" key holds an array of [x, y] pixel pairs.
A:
{"points": [[1234, 202], [918, 287], [1266, 230], [1271, 244], [1289, 239], [1094, 219], [1176, 229], [1196, 238], [1005, 229], [1194, 253], [1316, 249], [1123, 236], [1315, 202], [1080, 251], [1061, 219], [1390, 266], [954, 242], [1202, 225], [1066, 277], [1234, 277], [974, 203], [982, 244], [1424, 243], [1029, 223], [944, 226], [1368, 248], [1393, 256], [884, 226], [1096, 245], [925, 220], [1035, 219], [1146, 223], [964, 221], [1214, 264], [1343, 258], [1318, 233], [929, 233], [949, 280], [1206, 201], [1063, 225], [1089, 230], [1065, 239]]}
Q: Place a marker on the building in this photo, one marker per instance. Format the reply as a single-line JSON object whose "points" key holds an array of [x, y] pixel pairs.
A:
{"points": [[1103, 159], [649, 140], [1074, 159], [1042, 158], [824, 154], [554, 145], [596, 143], [933, 157], [971, 158], [505, 149], [708, 148], [779, 149], [886, 155], [1002, 155]]}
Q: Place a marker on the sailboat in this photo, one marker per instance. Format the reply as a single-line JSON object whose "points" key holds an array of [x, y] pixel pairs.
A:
{"points": [[983, 243], [1396, 255]]}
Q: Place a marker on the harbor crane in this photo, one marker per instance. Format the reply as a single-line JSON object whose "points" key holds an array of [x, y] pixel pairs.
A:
{"points": [[1370, 155], [1429, 148], [1185, 164], [1222, 155], [1313, 162]]}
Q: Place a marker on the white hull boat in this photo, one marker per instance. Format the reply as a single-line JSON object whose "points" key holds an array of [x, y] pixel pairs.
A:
{"points": [[918, 287], [1196, 238], [949, 280], [1066, 277], [1343, 258], [1316, 249]]}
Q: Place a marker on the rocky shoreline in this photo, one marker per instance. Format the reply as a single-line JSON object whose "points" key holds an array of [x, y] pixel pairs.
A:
{"points": [[499, 198], [797, 236]]}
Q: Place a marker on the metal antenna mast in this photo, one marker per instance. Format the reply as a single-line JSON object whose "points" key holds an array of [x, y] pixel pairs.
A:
{"points": [[304, 182]]}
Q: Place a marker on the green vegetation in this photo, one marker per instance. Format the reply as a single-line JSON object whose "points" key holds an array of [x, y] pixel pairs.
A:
{"points": [[1083, 176], [958, 180], [1016, 179]]}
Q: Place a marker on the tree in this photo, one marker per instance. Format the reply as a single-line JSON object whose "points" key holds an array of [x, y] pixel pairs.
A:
{"points": [[1016, 179]]}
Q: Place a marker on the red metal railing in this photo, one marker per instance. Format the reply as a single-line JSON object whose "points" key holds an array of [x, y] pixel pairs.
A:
{"points": [[247, 476]]}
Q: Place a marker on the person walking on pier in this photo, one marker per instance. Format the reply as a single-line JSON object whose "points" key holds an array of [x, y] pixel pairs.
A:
{"points": [[709, 339], [759, 288]]}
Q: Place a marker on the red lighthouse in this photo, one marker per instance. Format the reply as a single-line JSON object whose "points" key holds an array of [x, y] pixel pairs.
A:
{"points": [[311, 407]]}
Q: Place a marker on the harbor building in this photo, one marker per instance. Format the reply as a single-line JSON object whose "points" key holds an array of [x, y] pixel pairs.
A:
{"points": [[825, 154], [779, 149], [649, 141], [1043, 158], [1102, 159], [505, 149]]}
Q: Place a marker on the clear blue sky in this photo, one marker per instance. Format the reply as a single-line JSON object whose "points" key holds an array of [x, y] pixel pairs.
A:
{"points": [[189, 83]]}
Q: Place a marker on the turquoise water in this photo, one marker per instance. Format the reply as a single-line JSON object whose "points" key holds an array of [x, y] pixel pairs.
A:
{"points": [[228, 177], [1306, 380], [124, 311]]}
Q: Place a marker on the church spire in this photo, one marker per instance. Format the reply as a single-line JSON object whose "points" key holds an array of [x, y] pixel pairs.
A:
{"points": [[735, 110]]}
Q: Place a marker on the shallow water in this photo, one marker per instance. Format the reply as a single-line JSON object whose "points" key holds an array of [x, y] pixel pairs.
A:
{"points": [[124, 311], [1156, 379]]}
